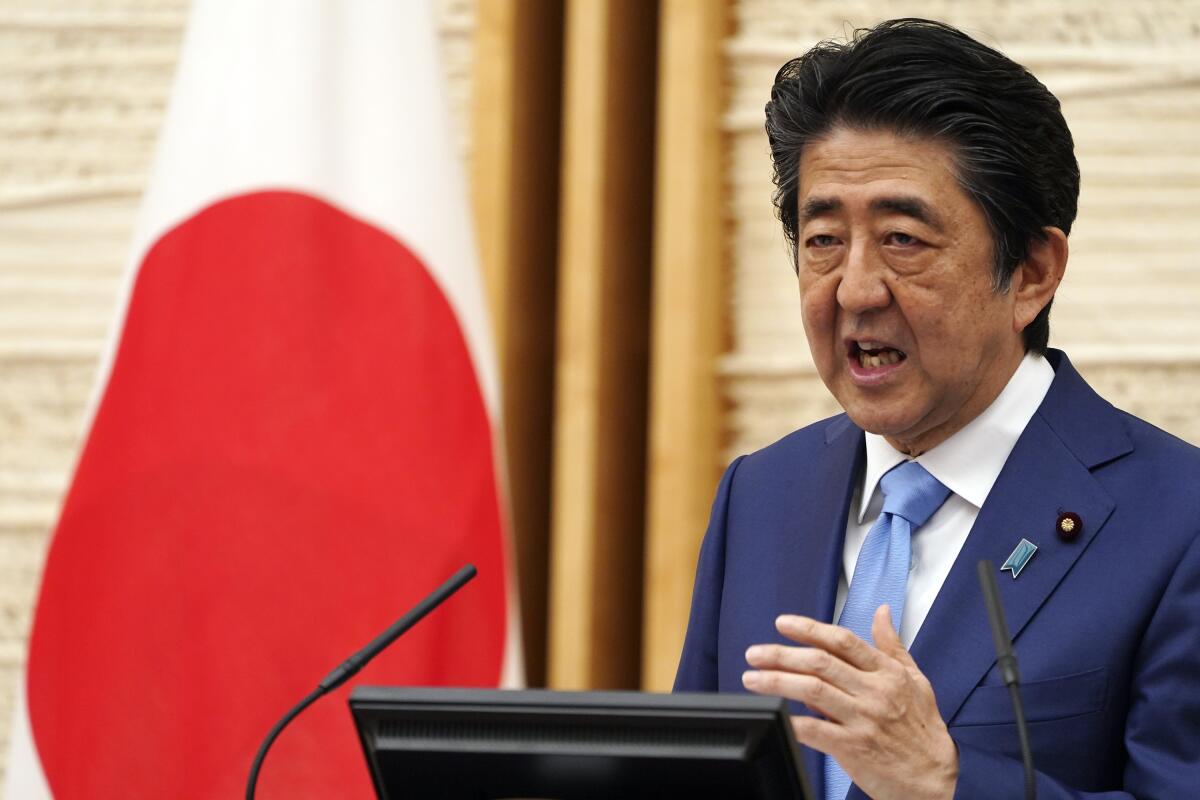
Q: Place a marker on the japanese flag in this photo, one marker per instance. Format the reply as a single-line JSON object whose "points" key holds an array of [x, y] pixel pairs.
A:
{"points": [[294, 434]]}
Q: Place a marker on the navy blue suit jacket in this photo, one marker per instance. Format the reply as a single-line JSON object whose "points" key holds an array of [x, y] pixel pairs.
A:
{"points": [[1106, 627]]}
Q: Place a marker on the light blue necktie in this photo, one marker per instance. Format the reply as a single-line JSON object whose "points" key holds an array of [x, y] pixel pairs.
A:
{"points": [[910, 496]]}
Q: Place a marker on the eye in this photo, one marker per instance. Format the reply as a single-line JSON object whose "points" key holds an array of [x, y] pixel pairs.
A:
{"points": [[901, 239], [821, 240]]}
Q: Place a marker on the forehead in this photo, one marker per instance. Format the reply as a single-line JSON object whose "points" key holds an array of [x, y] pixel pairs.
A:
{"points": [[849, 165]]}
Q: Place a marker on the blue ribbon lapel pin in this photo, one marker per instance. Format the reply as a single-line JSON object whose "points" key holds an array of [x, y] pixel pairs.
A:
{"points": [[1020, 557]]}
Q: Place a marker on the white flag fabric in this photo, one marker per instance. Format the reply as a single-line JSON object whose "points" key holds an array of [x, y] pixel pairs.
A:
{"points": [[293, 437]]}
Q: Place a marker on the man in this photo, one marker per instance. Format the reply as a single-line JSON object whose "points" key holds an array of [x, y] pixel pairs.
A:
{"points": [[927, 185]]}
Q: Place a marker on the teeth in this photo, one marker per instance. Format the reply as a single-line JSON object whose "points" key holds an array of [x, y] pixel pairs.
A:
{"points": [[882, 359], [870, 345]]}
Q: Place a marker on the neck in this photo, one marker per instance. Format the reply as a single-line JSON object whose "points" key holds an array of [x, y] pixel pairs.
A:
{"points": [[984, 395]]}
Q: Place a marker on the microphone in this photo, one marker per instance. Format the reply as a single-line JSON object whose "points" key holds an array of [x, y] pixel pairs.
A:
{"points": [[354, 663], [1006, 659]]}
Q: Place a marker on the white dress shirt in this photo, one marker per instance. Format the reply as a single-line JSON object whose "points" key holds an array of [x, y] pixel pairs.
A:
{"points": [[968, 464]]}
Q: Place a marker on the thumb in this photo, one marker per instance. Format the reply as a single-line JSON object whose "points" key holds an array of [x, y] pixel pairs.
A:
{"points": [[886, 639]]}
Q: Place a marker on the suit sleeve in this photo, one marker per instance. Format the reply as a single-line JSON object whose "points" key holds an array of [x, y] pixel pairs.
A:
{"points": [[698, 662], [1162, 732]]}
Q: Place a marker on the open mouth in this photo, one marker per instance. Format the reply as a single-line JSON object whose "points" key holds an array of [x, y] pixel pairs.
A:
{"points": [[875, 354]]}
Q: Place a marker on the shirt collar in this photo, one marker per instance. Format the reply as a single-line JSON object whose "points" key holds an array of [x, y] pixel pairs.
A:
{"points": [[969, 462]]}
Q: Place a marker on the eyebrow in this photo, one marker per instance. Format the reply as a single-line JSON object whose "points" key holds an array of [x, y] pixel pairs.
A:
{"points": [[913, 207], [817, 207], [906, 205]]}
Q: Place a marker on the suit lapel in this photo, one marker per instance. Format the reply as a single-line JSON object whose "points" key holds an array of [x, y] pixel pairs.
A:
{"points": [[816, 561], [822, 523], [1047, 473]]}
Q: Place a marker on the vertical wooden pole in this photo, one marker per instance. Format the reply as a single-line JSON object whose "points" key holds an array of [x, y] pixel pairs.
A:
{"points": [[604, 282], [515, 170], [688, 321]]}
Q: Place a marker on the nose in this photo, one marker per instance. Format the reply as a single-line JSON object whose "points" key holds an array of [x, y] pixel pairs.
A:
{"points": [[862, 287]]}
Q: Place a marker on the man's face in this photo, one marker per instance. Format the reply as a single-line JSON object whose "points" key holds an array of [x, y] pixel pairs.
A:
{"points": [[896, 287]]}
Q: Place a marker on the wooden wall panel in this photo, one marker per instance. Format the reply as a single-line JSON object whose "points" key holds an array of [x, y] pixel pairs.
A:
{"points": [[604, 281], [515, 145], [688, 323]]}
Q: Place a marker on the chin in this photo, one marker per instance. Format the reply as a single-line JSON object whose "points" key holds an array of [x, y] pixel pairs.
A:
{"points": [[880, 422]]}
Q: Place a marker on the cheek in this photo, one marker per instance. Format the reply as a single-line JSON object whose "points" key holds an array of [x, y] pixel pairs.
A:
{"points": [[818, 305], [818, 310], [958, 336], [948, 310]]}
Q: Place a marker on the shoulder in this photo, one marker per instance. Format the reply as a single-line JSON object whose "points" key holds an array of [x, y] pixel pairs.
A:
{"points": [[1157, 442], [798, 467], [798, 447], [1165, 464], [1099, 434], [1149, 474]]}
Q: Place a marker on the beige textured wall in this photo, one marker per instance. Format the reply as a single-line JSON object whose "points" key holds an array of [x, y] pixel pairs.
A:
{"points": [[83, 88], [1127, 75]]}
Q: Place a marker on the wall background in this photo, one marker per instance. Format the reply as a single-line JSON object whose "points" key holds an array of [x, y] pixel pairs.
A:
{"points": [[83, 86]]}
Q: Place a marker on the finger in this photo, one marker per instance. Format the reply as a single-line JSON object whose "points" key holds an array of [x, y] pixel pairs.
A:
{"points": [[822, 697], [888, 641], [839, 641], [819, 734], [884, 634], [808, 661]]}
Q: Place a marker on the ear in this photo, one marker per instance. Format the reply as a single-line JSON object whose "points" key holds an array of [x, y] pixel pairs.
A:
{"points": [[1036, 279]]}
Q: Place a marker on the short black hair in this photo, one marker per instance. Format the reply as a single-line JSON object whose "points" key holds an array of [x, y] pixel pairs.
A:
{"points": [[1013, 151]]}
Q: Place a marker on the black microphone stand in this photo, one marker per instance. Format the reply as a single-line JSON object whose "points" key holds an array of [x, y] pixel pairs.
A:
{"points": [[1006, 659], [357, 661]]}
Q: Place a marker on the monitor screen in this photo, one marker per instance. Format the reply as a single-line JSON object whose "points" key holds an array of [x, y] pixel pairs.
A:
{"points": [[487, 744]]}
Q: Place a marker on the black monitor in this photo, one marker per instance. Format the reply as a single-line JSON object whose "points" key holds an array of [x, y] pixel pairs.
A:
{"points": [[485, 744]]}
